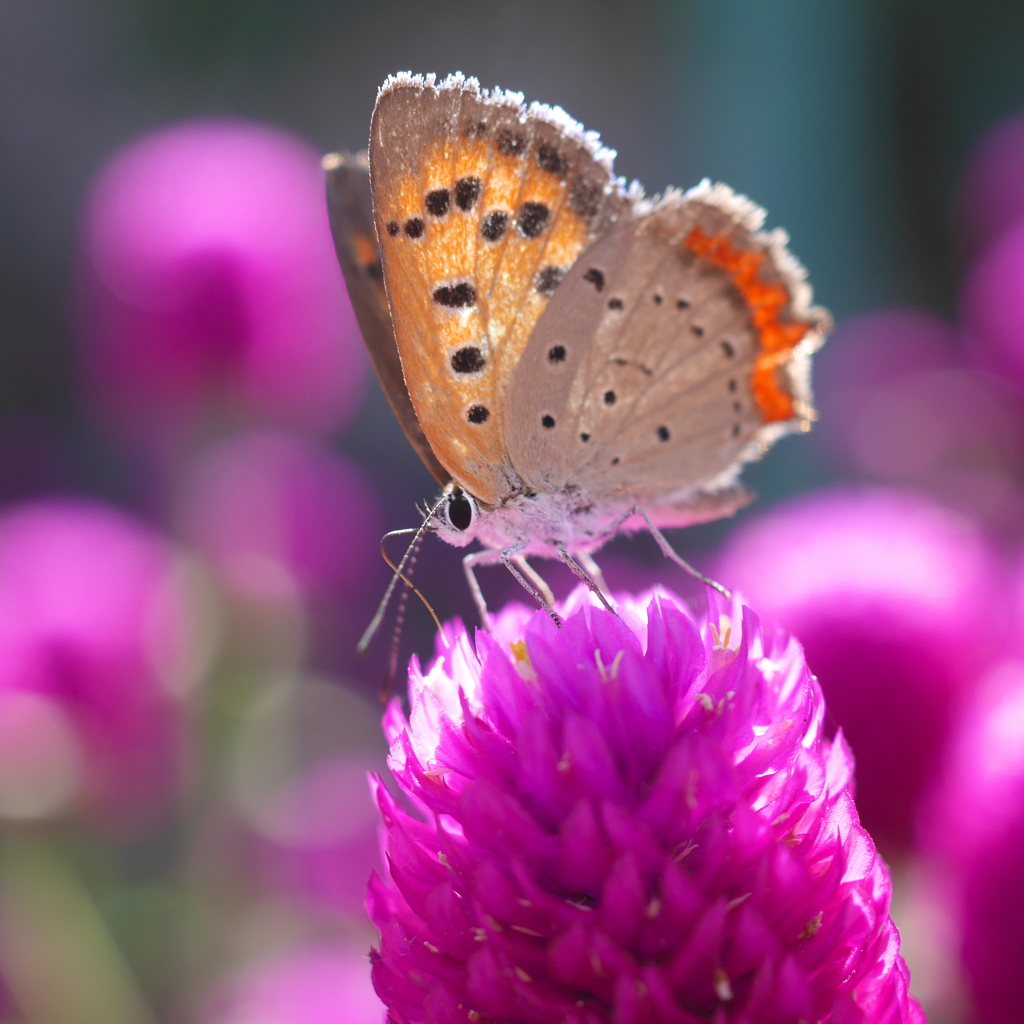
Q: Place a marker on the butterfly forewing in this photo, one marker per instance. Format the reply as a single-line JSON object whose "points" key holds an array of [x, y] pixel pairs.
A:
{"points": [[355, 241], [670, 355], [482, 207]]}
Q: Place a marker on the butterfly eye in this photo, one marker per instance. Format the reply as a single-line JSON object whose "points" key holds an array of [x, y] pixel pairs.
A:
{"points": [[460, 511]]}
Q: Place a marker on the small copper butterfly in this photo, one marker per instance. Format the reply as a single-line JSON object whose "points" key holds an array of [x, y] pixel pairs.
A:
{"points": [[569, 358]]}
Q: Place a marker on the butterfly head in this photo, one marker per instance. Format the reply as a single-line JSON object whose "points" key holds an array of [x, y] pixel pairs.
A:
{"points": [[457, 520]]}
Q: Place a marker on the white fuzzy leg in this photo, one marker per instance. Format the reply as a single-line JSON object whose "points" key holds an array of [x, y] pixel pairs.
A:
{"points": [[511, 559], [507, 557], [487, 556], [587, 561], [666, 549], [580, 573], [535, 578]]}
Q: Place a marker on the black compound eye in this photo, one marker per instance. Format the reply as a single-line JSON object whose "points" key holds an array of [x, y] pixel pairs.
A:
{"points": [[460, 511]]}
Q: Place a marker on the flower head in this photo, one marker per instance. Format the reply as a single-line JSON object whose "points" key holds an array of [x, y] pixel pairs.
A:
{"points": [[210, 286], [974, 825], [97, 643], [628, 819], [893, 599]]}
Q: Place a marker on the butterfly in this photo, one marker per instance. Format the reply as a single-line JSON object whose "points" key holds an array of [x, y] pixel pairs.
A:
{"points": [[569, 358]]}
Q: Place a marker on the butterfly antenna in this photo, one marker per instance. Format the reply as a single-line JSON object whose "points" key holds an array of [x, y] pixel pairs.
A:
{"points": [[403, 603], [399, 574]]}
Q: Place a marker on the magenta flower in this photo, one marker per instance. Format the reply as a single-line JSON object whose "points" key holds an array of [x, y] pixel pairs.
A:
{"points": [[975, 825], [629, 819], [992, 193], [274, 510], [992, 303], [892, 598], [307, 824], [96, 645], [905, 407], [319, 984], [210, 285]]}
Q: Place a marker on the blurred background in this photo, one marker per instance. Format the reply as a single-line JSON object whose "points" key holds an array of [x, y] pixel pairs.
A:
{"points": [[196, 466]]}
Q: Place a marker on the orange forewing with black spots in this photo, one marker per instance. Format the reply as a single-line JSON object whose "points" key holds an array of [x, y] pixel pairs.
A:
{"points": [[480, 209]]}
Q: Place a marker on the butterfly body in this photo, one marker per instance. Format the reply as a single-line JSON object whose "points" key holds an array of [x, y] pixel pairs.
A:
{"points": [[570, 352]]}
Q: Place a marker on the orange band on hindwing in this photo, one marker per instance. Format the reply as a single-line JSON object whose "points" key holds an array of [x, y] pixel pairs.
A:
{"points": [[766, 302]]}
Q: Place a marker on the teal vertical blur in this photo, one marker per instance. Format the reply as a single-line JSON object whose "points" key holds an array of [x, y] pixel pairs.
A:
{"points": [[781, 100]]}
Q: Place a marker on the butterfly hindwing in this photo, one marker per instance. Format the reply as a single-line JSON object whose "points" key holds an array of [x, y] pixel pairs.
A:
{"points": [[482, 207], [673, 353], [355, 241]]}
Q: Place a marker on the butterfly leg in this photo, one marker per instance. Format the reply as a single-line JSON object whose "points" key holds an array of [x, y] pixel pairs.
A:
{"points": [[580, 573], [487, 556], [670, 553], [535, 578], [509, 558], [587, 561]]}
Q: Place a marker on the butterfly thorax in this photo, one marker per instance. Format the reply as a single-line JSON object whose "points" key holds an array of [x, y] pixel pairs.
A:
{"points": [[538, 523]]}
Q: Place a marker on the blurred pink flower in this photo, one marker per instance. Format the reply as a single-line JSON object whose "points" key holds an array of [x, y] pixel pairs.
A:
{"points": [[297, 781], [992, 304], [327, 984], [275, 510], [992, 192], [96, 643], [975, 824], [210, 285], [628, 819], [892, 598], [318, 839], [901, 404]]}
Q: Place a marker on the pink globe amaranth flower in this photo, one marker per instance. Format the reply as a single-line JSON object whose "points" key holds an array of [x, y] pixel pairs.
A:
{"points": [[317, 840], [210, 284], [318, 984], [992, 192], [627, 820], [306, 822], [287, 523], [992, 304], [974, 825], [892, 598], [903, 405], [96, 641], [272, 509]]}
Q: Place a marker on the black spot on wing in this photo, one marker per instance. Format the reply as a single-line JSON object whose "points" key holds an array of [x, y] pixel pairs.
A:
{"points": [[467, 191], [493, 225], [511, 143], [438, 201], [532, 219], [556, 354], [455, 296], [550, 160], [414, 227], [595, 277], [468, 359], [547, 279], [393, 228], [478, 414]]}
